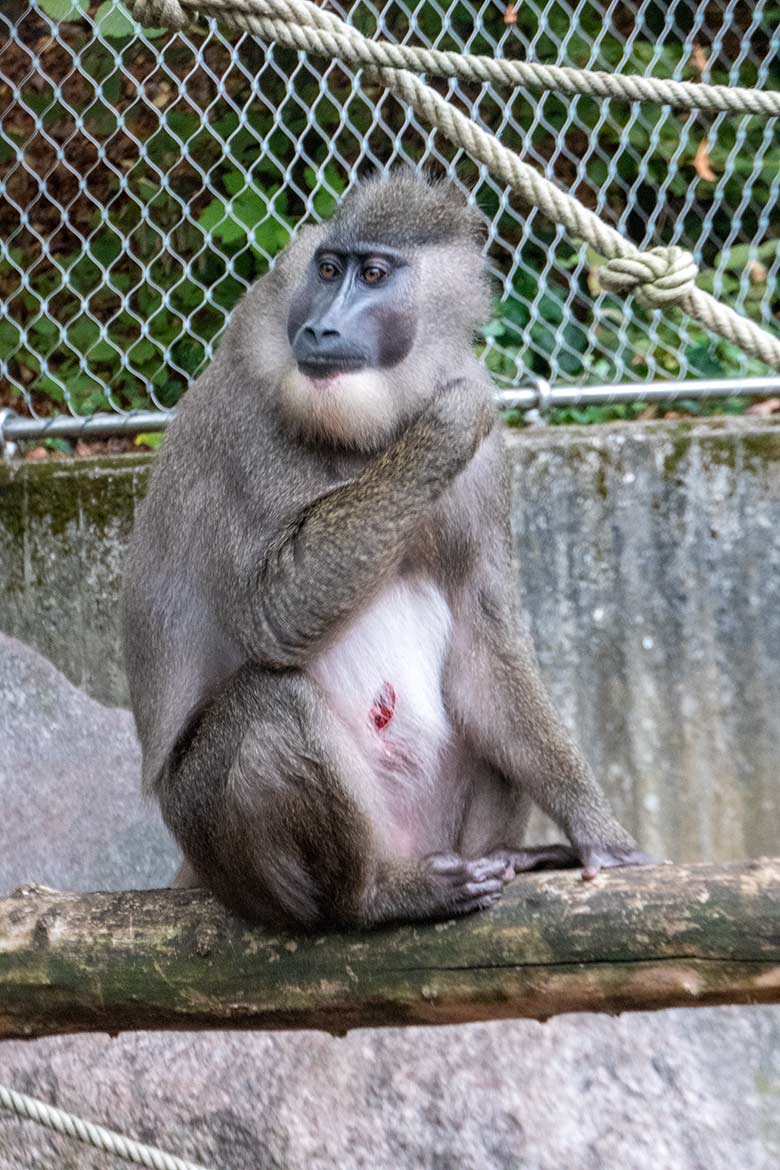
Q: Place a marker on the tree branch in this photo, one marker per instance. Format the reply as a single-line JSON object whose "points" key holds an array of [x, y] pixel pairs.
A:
{"points": [[634, 939]]}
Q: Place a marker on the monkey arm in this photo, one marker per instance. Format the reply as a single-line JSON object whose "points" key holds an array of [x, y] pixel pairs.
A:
{"points": [[498, 697], [337, 550]]}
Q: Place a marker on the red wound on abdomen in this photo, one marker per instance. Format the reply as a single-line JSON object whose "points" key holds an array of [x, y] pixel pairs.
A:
{"points": [[383, 708]]}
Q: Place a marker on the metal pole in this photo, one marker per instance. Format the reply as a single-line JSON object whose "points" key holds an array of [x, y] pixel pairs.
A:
{"points": [[14, 428], [535, 394], [525, 399]]}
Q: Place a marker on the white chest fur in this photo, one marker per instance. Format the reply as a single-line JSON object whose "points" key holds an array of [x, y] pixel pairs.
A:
{"points": [[383, 680]]}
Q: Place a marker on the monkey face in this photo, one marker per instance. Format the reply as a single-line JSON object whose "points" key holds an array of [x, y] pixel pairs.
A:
{"points": [[351, 324], [386, 304], [355, 311]]}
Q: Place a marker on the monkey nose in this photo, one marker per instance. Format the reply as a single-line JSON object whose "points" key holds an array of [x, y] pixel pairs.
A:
{"points": [[320, 335], [320, 349]]}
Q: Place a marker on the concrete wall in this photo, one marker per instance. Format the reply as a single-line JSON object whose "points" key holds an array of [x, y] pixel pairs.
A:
{"points": [[647, 558], [64, 526]]}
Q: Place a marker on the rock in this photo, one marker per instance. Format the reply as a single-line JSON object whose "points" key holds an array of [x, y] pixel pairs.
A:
{"points": [[74, 817]]}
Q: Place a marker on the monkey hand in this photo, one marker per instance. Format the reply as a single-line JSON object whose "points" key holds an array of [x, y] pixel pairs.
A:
{"points": [[459, 886], [463, 413]]}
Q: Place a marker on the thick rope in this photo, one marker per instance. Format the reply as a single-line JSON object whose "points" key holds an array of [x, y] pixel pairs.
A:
{"points": [[91, 1135], [268, 19], [661, 277]]}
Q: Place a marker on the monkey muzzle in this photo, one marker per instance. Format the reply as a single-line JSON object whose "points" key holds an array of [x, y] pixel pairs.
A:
{"points": [[322, 353]]}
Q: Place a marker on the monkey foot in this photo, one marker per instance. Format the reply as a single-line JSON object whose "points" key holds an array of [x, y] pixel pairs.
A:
{"points": [[536, 857], [463, 886], [597, 857]]}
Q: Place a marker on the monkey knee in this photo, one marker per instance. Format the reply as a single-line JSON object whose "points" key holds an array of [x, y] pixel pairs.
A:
{"points": [[254, 795], [272, 853], [275, 889], [282, 887]]}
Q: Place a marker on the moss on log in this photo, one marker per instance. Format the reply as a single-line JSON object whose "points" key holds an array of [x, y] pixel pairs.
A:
{"points": [[666, 936]]}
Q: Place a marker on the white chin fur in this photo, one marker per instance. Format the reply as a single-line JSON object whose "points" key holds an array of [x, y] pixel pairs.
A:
{"points": [[354, 409]]}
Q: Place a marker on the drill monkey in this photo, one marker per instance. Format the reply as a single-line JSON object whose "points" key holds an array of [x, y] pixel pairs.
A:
{"points": [[340, 715]]}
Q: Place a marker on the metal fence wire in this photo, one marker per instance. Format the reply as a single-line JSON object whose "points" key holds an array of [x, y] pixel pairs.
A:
{"points": [[146, 179]]}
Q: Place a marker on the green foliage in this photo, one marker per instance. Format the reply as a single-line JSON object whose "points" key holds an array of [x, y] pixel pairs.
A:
{"points": [[184, 224], [533, 331], [63, 9], [112, 20], [152, 440], [61, 446]]}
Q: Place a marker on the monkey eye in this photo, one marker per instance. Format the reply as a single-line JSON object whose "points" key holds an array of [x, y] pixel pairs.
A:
{"points": [[373, 273], [328, 270]]}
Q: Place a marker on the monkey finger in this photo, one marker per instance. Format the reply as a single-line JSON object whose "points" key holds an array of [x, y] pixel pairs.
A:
{"points": [[489, 867], [458, 869], [484, 902], [481, 889], [536, 857], [445, 864]]}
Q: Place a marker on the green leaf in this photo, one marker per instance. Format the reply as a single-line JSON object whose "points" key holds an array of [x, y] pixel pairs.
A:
{"points": [[181, 122], [188, 296], [735, 405], [9, 338], [737, 257], [270, 236], [324, 203], [249, 207], [63, 9], [57, 444], [45, 328], [102, 351], [105, 248], [234, 181], [325, 200], [494, 328], [112, 20], [152, 439], [46, 385], [142, 351], [147, 188], [702, 359], [215, 219], [83, 333], [111, 89]]}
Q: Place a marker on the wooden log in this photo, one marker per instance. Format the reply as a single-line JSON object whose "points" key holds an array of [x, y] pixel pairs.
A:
{"points": [[634, 939]]}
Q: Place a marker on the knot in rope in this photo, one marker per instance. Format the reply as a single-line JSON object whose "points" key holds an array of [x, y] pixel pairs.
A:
{"points": [[661, 277], [161, 14]]}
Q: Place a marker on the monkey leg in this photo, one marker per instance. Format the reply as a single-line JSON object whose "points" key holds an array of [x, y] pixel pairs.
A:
{"points": [[275, 809], [536, 857], [186, 878], [495, 826]]}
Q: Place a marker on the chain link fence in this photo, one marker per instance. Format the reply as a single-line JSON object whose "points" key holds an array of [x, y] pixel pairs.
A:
{"points": [[146, 179]]}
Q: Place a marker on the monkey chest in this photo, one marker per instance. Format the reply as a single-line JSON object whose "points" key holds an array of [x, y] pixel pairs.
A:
{"points": [[383, 679]]}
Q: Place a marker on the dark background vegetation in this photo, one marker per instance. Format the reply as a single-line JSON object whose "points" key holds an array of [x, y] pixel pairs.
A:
{"points": [[142, 187]]}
